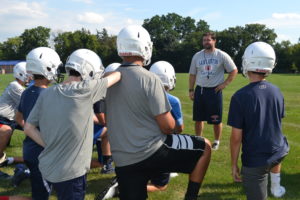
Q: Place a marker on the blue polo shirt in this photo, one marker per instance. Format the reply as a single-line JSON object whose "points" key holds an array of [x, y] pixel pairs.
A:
{"points": [[31, 150], [257, 109], [176, 109]]}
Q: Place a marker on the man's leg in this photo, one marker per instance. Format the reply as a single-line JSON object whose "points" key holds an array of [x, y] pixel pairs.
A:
{"points": [[5, 134], [217, 134], [40, 189], [197, 175], [107, 158], [255, 182], [132, 183], [199, 125], [276, 189]]}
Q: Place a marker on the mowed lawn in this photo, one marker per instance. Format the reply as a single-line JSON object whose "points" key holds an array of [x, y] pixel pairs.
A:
{"points": [[218, 183]]}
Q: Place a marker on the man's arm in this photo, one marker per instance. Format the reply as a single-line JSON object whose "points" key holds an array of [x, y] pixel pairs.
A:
{"points": [[113, 78], [229, 79], [19, 119], [235, 144], [192, 80], [166, 122], [32, 132]]}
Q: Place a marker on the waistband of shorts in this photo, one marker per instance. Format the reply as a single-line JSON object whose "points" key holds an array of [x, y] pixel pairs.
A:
{"points": [[206, 88]]}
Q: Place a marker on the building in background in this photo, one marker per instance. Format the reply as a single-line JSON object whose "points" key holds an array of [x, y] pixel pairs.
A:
{"points": [[6, 66]]}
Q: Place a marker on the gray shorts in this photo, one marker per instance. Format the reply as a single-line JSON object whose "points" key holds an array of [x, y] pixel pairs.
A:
{"points": [[255, 182]]}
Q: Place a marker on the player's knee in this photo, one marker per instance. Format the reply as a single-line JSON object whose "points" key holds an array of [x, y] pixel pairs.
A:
{"points": [[207, 146], [5, 131]]}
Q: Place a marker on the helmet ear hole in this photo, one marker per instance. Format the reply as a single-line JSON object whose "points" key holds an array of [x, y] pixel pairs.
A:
{"points": [[49, 69], [91, 74]]}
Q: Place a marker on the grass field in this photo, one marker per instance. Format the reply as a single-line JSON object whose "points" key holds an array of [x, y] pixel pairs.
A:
{"points": [[218, 183]]}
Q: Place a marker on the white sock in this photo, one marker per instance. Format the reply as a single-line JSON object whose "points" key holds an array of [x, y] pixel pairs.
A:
{"points": [[275, 180], [10, 160], [217, 141]]}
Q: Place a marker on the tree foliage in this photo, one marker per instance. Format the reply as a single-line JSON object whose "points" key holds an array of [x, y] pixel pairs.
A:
{"points": [[176, 39]]}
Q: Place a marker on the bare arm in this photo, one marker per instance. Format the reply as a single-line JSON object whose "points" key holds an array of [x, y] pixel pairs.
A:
{"points": [[229, 79], [100, 118], [192, 80], [166, 122], [20, 119], [235, 145], [32, 132], [179, 128], [113, 78]]}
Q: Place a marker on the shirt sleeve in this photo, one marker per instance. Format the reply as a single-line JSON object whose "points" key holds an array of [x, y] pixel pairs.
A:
{"points": [[229, 65], [15, 93], [235, 115], [34, 115], [98, 88], [176, 112], [193, 69], [157, 98]]}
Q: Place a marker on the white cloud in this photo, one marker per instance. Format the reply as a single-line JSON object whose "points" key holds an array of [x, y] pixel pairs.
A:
{"points": [[286, 25], [90, 18], [195, 12], [23, 9]]}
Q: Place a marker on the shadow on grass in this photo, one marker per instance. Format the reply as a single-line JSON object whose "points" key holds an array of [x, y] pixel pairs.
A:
{"points": [[227, 191]]}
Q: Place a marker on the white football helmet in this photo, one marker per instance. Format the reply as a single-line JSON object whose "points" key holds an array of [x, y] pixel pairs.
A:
{"points": [[259, 57], [165, 71], [20, 71], [43, 61], [112, 67], [86, 62], [135, 40]]}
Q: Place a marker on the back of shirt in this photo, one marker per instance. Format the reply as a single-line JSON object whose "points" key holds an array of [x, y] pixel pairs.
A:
{"points": [[131, 107], [9, 100], [64, 114], [257, 109], [31, 149]]}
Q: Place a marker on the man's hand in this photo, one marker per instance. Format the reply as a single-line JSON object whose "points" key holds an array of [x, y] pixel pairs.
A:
{"points": [[236, 174], [220, 87], [191, 95]]}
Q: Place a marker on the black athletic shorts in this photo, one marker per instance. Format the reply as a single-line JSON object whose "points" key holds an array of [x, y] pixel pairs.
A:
{"points": [[179, 153], [12, 124], [208, 105]]}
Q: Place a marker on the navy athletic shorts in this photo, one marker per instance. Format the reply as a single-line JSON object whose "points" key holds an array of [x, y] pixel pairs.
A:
{"points": [[179, 153], [208, 105], [73, 189]]}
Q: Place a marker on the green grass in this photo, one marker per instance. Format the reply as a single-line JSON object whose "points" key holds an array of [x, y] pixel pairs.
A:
{"points": [[218, 183]]}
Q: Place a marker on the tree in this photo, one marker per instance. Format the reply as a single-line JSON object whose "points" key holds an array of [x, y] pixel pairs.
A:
{"points": [[10, 49], [67, 42], [33, 38]]}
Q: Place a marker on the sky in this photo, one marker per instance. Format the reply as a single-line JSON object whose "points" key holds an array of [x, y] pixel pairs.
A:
{"points": [[68, 15]]}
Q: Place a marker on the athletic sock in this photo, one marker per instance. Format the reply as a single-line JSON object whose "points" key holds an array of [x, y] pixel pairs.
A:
{"points": [[4, 197], [192, 191], [99, 151], [275, 180], [217, 141], [107, 160]]}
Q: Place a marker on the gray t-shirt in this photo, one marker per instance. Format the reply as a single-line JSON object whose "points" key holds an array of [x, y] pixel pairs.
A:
{"points": [[209, 67], [10, 99], [64, 114], [131, 107]]}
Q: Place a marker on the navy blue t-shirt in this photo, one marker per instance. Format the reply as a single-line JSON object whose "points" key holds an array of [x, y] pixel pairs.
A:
{"points": [[257, 109], [31, 150]]}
